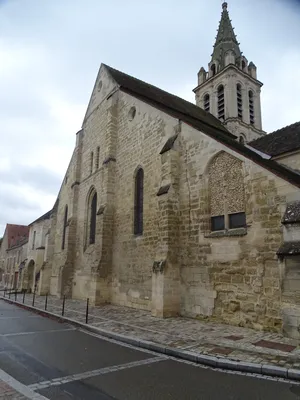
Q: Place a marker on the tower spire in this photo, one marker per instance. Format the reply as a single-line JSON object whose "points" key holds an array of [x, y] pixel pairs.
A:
{"points": [[226, 39]]}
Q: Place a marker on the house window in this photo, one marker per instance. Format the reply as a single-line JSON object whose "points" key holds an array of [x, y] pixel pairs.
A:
{"points": [[226, 193], [93, 216], [64, 228], [33, 240], [91, 162], [251, 107], [97, 157], [221, 103], [138, 202], [239, 100], [206, 102]]}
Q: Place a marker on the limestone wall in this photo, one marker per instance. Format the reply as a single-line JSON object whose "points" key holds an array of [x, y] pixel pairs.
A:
{"points": [[232, 276]]}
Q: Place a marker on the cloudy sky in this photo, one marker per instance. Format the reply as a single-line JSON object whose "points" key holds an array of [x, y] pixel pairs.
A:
{"points": [[50, 52]]}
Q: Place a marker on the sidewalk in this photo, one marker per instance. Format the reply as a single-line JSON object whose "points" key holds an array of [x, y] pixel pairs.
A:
{"points": [[196, 337], [8, 393]]}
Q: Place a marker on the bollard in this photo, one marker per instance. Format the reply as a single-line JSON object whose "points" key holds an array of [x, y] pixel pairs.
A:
{"points": [[87, 311], [16, 295], [24, 296], [46, 301], [33, 298], [63, 306]]}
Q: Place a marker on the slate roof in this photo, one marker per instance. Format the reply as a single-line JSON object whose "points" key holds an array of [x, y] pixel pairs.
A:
{"points": [[16, 234], [279, 142], [292, 213], [198, 119], [289, 249], [44, 216]]}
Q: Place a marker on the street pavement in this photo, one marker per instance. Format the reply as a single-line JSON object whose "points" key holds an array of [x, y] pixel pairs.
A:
{"points": [[54, 360], [199, 337]]}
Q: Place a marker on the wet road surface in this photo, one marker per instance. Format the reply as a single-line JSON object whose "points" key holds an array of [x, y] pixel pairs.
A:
{"points": [[61, 362]]}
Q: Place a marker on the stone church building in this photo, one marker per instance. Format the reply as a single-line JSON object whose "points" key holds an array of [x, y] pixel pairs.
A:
{"points": [[180, 208]]}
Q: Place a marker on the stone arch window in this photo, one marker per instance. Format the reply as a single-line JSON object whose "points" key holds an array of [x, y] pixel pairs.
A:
{"points": [[221, 103], [251, 107], [226, 193], [97, 157], [92, 215], [239, 99], [242, 139], [243, 65], [64, 228], [91, 162], [206, 103], [213, 69], [138, 202]]}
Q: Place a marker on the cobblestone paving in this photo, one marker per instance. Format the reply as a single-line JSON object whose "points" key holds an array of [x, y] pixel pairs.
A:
{"points": [[8, 393], [211, 338]]}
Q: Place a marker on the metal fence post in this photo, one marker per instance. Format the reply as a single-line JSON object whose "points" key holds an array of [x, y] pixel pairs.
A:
{"points": [[87, 311], [46, 301], [16, 295], [24, 296], [63, 306], [33, 299]]}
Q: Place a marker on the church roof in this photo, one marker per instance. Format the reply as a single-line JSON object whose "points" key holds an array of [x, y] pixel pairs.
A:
{"points": [[279, 142], [226, 39], [198, 119], [47, 215]]}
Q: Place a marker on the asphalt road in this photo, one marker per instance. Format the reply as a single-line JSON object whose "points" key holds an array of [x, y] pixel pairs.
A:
{"points": [[61, 362]]}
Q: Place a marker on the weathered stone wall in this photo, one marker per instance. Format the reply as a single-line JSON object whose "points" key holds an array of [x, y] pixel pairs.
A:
{"points": [[233, 276], [290, 160]]}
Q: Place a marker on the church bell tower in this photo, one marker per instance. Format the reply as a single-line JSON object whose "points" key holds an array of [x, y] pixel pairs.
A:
{"points": [[229, 89]]}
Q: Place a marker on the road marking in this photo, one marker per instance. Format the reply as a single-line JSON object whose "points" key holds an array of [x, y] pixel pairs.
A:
{"points": [[89, 374], [19, 387], [32, 333]]}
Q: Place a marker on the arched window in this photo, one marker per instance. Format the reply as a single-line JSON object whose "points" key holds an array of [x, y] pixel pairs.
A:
{"points": [[91, 162], [221, 102], [242, 139], [97, 157], [243, 65], [239, 100], [206, 103], [251, 107], [64, 228], [213, 69], [92, 217], [138, 202]]}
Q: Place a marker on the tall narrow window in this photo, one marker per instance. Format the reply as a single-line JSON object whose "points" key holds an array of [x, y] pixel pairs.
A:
{"points": [[91, 162], [138, 202], [239, 100], [93, 216], [213, 69], [33, 240], [64, 228], [251, 107], [97, 157], [206, 103], [221, 102]]}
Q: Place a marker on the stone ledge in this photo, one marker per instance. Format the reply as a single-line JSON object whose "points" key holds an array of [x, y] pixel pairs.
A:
{"points": [[227, 233]]}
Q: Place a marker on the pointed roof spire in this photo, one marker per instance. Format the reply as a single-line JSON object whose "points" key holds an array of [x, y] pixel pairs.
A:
{"points": [[226, 39]]}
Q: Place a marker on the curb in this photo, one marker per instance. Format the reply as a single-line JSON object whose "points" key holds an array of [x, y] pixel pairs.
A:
{"points": [[210, 361]]}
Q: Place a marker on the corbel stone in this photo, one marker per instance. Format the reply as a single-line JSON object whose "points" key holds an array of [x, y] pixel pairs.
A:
{"points": [[101, 210], [163, 190]]}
